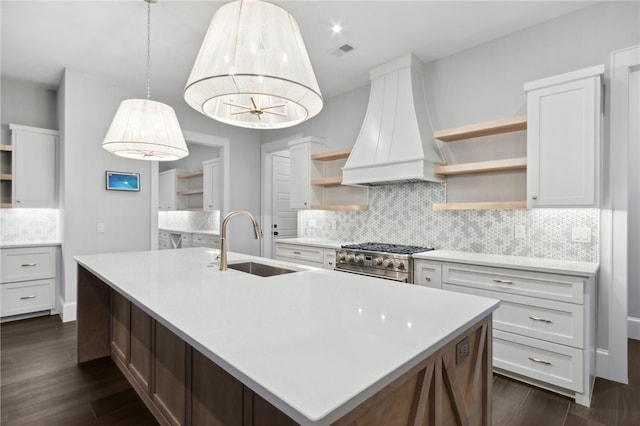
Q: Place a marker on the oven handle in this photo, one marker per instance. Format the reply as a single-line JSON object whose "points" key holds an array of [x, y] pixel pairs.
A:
{"points": [[400, 280]]}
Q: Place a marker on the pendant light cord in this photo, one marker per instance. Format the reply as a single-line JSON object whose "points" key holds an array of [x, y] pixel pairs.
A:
{"points": [[148, 50]]}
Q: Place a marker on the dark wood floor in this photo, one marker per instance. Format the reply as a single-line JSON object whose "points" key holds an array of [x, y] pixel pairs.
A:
{"points": [[42, 385]]}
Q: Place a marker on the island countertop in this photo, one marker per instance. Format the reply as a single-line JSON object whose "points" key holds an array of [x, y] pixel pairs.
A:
{"points": [[358, 333]]}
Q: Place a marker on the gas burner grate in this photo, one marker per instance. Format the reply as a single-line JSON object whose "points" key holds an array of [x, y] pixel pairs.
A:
{"points": [[387, 248]]}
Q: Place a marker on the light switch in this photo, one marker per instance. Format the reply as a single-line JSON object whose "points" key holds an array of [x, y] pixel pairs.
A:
{"points": [[334, 225], [519, 231], [100, 228]]}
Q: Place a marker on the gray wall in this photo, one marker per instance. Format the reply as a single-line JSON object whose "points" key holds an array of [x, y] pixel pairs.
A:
{"points": [[27, 104], [486, 82]]}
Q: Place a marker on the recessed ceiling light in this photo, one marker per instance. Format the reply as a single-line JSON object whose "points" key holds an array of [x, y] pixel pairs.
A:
{"points": [[336, 28]]}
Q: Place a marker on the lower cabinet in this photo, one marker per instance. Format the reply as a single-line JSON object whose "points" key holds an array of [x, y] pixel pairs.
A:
{"points": [[179, 385], [544, 329], [306, 255], [27, 281]]}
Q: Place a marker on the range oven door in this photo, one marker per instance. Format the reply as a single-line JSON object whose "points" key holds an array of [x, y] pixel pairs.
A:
{"points": [[403, 277]]}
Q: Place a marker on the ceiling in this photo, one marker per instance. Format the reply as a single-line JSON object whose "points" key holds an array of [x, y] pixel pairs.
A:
{"points": [[107, 39]]}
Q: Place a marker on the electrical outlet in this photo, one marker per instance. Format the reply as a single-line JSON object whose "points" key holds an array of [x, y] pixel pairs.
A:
{"points": [[334, 225], [519, 231], [311, 223], [462, 350], [581, 234], [100, 228]]}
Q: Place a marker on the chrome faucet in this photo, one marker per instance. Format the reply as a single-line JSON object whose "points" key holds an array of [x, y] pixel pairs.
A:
{"points": [[223, 237]]}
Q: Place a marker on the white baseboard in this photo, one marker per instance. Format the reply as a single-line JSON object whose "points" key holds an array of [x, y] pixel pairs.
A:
{"points": [[602, 363], [68, 311], [633, 328]]}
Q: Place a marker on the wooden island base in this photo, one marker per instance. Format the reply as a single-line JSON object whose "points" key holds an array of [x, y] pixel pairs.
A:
{"points": [[180, 386]]}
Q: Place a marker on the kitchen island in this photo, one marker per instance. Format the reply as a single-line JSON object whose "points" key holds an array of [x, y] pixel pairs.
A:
{"points": [[316, 347]]}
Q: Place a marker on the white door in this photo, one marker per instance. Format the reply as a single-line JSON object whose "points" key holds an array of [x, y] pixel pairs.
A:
{"points": [[285, 219], [634, 203]]}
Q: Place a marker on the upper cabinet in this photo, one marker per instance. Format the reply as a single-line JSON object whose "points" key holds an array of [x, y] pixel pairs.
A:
{"points": [[170, 185], [212, 185], [34, 177], [563, 139], [303, 170]]}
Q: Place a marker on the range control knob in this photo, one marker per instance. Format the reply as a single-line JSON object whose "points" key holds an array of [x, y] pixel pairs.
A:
{"points": [[359, 258], [341, 257], [387, 263], [398, 264], [377, 261]]}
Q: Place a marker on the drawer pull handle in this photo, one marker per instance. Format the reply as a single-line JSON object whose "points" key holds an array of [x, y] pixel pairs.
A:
{"points": [[541, 319], [427, 279], [27, 297], [296, 252], [503, 282], [28, 264], [539, 361]]}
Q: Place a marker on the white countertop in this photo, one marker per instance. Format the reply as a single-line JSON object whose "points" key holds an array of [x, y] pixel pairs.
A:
{"points": [[24, 244], [190, 231], [570, 267], [315, 242], [315, 343]]}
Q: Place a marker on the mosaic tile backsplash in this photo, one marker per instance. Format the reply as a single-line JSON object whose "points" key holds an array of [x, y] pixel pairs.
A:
{"points": [[29, 225], [189, 221], [403, 214]]}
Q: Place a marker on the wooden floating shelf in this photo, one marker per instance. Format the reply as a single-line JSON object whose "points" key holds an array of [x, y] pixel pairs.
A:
{"points": [[194, 209], [6, 147], [6, 176], [190, 175], [191, 192], [5, 205], [503, 125], [330, 181], [338, 154], [492, 205], [353, 207], [482, 167]]}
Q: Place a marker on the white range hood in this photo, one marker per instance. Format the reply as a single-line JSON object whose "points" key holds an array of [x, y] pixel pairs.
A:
{"points": [[396, 142]]}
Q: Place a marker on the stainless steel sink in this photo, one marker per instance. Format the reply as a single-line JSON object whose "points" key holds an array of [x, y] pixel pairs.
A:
{"points": [[260, 269]]}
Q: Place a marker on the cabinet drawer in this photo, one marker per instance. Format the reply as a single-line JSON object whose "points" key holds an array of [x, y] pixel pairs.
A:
{"points": [[540, 360], [526, 283], [557, 322], [30, 296], [300, 253], [427, 273], [210, 241], [32, 263]]}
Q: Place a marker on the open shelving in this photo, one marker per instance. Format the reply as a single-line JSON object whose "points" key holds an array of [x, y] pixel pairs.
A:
{"points": [[328, 191], [5, 178], [476, 130]]}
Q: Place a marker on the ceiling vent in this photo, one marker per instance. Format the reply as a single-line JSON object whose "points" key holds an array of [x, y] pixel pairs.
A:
{"points": [[342, 49]]}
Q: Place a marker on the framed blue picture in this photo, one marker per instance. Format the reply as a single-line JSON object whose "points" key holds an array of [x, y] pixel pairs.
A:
{"points": [[121, 181]]}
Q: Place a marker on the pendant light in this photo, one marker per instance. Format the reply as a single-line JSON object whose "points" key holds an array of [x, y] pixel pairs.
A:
{"points": [[253, 69], [144, 129]]}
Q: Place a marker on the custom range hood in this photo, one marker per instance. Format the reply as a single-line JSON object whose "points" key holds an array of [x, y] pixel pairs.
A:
{"points": [[395, 143]]}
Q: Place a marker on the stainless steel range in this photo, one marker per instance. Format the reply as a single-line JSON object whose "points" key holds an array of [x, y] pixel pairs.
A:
{"points": [[390, 261]]}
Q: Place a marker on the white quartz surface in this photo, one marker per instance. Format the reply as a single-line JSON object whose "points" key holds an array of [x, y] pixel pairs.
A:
{"points": [[315, 242], [21, 244], [315, 343], [531, 263]]}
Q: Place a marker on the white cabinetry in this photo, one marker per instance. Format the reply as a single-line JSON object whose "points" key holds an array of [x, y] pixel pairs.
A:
{"points": [[164, 241], [170, 185], [205, 240], [544, 329], [427, 273], [28, 280], [563, 139], [212, 185], [303, 170], [35, 177], [306, 255]]}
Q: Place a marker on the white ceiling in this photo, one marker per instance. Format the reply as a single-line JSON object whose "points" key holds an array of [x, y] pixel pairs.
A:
{"points": [[108, 38]]}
